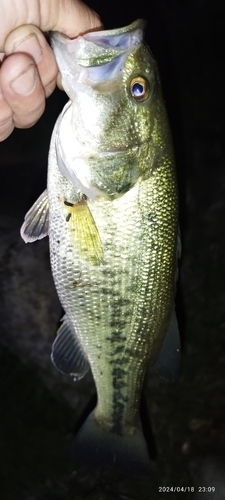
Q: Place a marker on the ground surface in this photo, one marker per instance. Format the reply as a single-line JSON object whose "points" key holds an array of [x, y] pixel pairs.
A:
{"points": [[39, 409]]}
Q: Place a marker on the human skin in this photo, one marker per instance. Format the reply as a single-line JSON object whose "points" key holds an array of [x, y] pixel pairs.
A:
{"points": [[29, 73]]}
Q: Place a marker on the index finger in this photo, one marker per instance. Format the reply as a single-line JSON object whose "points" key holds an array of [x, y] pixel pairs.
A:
{"points": [[71, 17]]}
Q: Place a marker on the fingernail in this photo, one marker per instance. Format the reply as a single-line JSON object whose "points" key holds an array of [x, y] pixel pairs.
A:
{"points": [[31, 46], [25, 82]]}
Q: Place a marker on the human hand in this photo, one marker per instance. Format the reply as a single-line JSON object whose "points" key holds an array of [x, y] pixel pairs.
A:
{"points": [[29, 72]]}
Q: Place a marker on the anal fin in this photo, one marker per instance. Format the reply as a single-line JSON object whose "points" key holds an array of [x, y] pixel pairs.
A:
{"points": [[67, 353]]}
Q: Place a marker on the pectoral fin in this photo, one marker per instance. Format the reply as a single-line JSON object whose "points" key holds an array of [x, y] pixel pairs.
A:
{"points": [[167, 364], [83, 229], [67, 353], [35, 226]]}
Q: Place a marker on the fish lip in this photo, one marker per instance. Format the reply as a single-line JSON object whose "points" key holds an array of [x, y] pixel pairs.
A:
{"points": [[121, 150], [95, 34], [112, 153], [115, 151], [137, 24]]}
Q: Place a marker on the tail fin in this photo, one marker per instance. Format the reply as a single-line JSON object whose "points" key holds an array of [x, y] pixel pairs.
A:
{"points": [[97, 447]]}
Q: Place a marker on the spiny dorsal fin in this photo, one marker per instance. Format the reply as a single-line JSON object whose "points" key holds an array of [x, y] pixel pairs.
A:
{"points": [[67, 353], [35, 226]]}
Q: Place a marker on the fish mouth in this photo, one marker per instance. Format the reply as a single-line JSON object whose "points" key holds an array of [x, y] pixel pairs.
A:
{"points": [[112, 152], [96, 56], [118, 151], [109, 43]]}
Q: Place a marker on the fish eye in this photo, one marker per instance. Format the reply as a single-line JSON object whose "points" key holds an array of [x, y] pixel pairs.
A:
{"points": [[139, 88]]}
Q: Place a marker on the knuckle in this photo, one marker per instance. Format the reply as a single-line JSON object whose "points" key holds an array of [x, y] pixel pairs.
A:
{"points": [[27, 118], [6, 121], [6, 130], [50, 88], [49, 78]]}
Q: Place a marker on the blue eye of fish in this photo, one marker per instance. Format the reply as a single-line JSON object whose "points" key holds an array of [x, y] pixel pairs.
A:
{"points": [[139, 89]]}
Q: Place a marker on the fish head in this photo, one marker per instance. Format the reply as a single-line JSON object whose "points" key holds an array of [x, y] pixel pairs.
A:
{"points": [[106, 140]]}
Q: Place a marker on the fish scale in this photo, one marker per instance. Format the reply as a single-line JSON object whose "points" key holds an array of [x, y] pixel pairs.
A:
{"points": [[111, 212], [130, 278]]}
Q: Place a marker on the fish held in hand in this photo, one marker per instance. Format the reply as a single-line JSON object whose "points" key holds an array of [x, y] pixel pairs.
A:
{"points": [[111, 212]]}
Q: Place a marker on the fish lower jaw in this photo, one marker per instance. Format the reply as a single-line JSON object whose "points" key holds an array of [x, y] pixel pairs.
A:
{"points": [[88, 147], [94, 149]]}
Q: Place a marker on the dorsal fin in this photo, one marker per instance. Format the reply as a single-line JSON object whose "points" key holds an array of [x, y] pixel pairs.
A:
{"points": [[167, 364]]}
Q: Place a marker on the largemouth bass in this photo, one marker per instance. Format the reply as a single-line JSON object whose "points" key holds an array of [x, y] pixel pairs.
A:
{"points": [[111, 213]]}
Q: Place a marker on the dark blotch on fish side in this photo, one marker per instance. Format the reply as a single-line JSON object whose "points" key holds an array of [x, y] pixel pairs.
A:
{"points": [[118, 384], [68, 217], [118, 323], [119, 407], [118, 372], [124, 302], [118, 349], [68, 204], [106, 291], [117, 415], [123, 361], [119, 399], [109, 271], [118, 304], [117, 418], [97, 317], [124, 399], [127, 351], [152, 218], [116, 337]]}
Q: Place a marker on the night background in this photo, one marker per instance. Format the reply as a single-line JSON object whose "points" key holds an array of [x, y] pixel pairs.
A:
{"points": [[39, 408]]}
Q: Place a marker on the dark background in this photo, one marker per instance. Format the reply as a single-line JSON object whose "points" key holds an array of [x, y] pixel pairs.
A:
{"points": [[38, 408]]}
